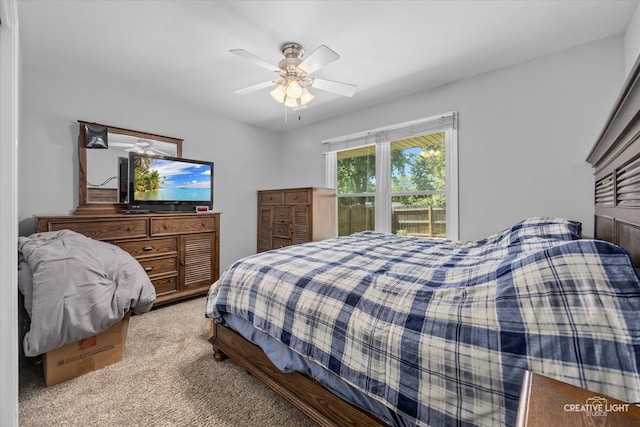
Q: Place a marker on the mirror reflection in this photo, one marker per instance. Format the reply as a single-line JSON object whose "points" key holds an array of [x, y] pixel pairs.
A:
{"points": [[107, 169]]}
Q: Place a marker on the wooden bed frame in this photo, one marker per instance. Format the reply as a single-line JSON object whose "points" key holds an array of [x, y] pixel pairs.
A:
{"points": [[304, 393], [616, 159]]}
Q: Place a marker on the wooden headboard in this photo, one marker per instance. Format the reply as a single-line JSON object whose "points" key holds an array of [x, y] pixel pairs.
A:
{"points": [[616, 159]]}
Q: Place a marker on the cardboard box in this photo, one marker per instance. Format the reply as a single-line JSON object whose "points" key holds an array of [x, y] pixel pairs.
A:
{"points": [[86, 355]]}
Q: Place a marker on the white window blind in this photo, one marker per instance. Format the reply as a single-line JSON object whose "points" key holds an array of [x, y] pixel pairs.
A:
{"points": [[392, 133]]}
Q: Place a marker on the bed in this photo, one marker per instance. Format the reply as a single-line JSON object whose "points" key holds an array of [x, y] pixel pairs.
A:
{"points": [[375, 329]]}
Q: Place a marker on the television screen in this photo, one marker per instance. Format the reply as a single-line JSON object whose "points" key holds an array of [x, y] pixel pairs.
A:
{"points": [[160, 180]]}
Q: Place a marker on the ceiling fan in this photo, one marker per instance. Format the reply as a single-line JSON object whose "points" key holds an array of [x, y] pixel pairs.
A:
{"points": [[293, 75], [140, 146]]}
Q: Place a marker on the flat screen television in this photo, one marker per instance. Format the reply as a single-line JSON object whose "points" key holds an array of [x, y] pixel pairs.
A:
{"points": [[169, 184]]}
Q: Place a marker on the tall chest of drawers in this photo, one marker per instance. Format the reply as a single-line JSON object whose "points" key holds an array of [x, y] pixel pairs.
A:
{"points": [[295, 215], [179, 252]]}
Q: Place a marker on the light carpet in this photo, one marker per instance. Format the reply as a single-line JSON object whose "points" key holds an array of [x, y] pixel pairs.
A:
{"points": [[167, 378]]}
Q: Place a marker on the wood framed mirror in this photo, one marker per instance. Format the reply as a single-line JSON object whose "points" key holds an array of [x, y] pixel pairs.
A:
{"points": [[103, 153]]}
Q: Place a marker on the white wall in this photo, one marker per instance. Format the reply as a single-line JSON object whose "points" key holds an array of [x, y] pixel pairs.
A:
{"points": [[632, 41], [524, 134], [245, 157]]}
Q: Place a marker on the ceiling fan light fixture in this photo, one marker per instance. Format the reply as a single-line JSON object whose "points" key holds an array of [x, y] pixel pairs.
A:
{"points": [[293, 89], [293, 75], [291, 102], [279, 93], [306, 97]]}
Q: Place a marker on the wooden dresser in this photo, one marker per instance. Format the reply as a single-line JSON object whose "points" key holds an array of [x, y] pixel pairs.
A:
{"points": [[179, 252], [295, 215]]}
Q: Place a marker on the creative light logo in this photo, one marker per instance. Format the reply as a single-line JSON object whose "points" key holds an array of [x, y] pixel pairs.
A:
{"points": [[596, 407]]}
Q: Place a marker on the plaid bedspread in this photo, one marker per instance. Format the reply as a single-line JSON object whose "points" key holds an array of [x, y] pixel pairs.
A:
{"points": [[442, 331]]}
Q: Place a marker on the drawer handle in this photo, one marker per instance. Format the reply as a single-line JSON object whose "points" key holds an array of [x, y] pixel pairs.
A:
{"points": [[281, 213], [204, 224], [295, 197], [130, 228], [166, 226], [147, 248], [148, 268]]}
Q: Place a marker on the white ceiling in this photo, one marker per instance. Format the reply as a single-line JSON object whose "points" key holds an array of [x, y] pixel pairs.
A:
{"points": [[178, 51]]}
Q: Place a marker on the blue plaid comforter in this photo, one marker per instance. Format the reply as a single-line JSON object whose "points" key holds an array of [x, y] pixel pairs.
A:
{"points": [[442, 331]]}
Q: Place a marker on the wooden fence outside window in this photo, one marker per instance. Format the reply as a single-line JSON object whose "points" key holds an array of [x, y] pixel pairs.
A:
{"points": [[419, 221]]}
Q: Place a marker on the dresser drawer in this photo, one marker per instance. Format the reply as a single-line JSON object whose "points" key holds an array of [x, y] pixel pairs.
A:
{"points": [[150, 247], [296, 196], [282, 214], [265, 244], [104, 230], [280, 243], [157, 266], [165, 285], [270, 197], [282, 230], [175, 225]]}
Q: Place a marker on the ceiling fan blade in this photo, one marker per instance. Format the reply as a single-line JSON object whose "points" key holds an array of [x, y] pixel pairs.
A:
{"points": [[344, 89], [155, 150], [254, 88], [251, 57], [317, 59]]}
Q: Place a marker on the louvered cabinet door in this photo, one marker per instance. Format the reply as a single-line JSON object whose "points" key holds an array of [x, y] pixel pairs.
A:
{"points": [[265, 220], [301, 225], [198, 266]]}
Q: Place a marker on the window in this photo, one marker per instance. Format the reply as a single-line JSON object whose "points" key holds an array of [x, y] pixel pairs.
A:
{"points": [[356, 189], [418, 186], [400, 179]]}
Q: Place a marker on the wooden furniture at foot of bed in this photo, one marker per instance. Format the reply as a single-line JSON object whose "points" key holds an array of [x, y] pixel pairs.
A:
{"points": [[301, 391], [546, 402]]}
